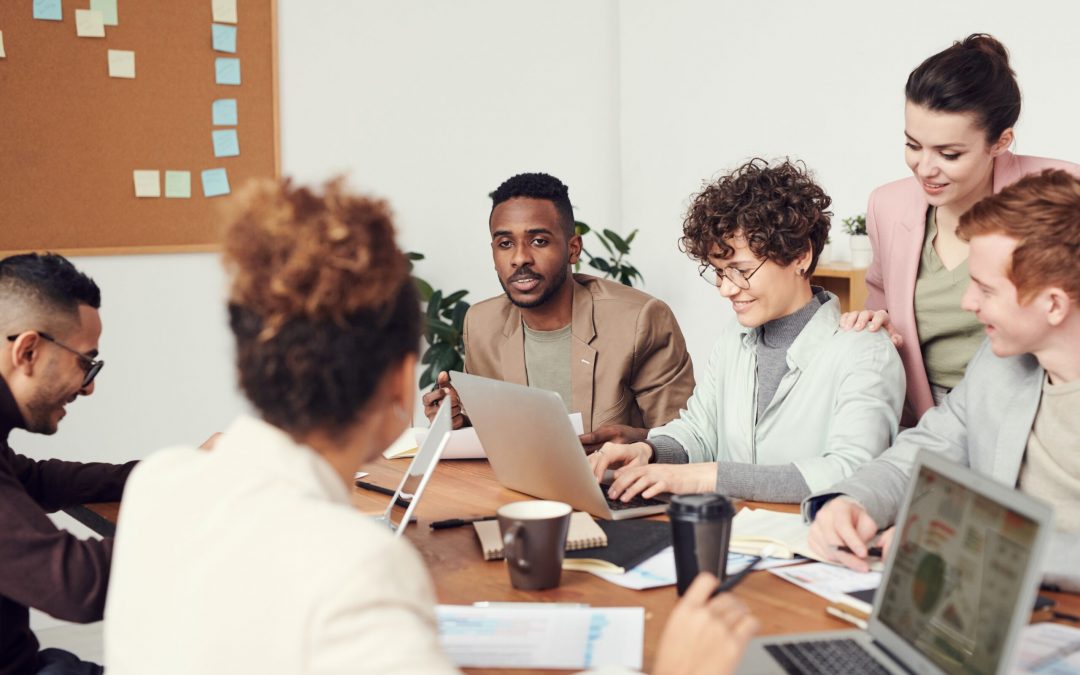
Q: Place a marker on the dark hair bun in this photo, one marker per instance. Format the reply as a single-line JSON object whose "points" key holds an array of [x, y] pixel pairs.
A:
{"points": [[987, 44]]}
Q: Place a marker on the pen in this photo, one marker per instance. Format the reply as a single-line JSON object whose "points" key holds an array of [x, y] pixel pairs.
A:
{"points": [[872, 552], [381, 490], [733, 581], [458, 522]]}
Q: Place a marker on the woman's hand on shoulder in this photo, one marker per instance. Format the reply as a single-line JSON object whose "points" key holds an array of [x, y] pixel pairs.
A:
{"points": [[873, 321]]}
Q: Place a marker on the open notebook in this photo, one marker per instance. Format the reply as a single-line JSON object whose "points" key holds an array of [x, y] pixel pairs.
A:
{"points": [[583, 533], [786, 533]]}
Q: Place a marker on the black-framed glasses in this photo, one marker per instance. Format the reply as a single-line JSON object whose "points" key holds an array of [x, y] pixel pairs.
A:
{"points": [[91, 367], [736, 276]]}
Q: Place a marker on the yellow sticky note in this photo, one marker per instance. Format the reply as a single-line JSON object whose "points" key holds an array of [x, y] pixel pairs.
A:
{"points": [[224, 11], [2, 54], [89, 23], [147, 183], [122, 63]]}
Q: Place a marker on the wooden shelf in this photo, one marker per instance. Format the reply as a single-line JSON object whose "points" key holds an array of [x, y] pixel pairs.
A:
{"points": [[847, 282]]}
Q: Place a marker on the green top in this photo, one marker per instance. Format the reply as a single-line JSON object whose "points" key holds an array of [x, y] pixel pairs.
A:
{"points": [[547, 361], [948, 335]]}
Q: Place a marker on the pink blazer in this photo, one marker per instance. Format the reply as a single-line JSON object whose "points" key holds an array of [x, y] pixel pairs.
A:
{"points": [[896, 223]]}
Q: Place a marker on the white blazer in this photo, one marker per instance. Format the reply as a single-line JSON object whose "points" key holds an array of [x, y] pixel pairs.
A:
{"points": [[250, 559]]}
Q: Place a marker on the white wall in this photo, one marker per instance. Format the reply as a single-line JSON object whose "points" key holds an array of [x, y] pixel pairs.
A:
{"points": [[432, 104], [707, 85]]}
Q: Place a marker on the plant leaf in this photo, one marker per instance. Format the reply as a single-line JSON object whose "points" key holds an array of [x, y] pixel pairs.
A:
{"points": [[600, 264], [458, 320], [581, 228], [423, 288], [617, 241], [434, 305], [454, 297]]}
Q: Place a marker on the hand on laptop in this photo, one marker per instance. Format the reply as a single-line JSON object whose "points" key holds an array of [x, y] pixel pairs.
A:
{"points": [[653, 479], [433, 398], [612, 433], [843, 522], [615, 455], [703, 635]]}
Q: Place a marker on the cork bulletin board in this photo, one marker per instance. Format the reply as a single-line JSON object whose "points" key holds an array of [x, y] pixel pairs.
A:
{"points": [[80, 137]]}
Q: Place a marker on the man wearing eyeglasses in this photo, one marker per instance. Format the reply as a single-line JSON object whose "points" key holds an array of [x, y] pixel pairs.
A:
{"points": [[48, 358]]}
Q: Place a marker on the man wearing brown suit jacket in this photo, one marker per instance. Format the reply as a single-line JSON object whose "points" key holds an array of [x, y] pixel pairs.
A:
{"points": [[613, 353]]}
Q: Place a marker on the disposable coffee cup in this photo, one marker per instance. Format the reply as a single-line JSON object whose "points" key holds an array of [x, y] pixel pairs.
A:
{"points": [[700, 533], [534, 541]]}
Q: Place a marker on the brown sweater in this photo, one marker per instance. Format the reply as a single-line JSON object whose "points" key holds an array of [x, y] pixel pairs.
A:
{"points": [[42, 566]]}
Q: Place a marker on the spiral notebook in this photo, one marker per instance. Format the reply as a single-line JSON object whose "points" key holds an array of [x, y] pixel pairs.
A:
{"points": [[583, 533]]}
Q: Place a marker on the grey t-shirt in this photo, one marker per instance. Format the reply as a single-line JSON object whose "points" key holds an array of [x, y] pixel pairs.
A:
{"points": [[547, 361]]}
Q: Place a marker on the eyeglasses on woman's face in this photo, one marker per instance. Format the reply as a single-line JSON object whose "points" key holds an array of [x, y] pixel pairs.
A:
{"points": [[733, 274]]}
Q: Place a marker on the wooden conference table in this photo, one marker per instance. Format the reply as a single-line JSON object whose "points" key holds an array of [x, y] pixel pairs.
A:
{"points": [[464, 488]]}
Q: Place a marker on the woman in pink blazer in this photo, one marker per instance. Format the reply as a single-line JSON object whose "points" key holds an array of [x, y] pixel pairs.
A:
{"points": [[962, 104]]}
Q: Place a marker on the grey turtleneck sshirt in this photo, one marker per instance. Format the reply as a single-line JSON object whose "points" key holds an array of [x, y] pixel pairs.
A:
{"points": [[766, 482]]}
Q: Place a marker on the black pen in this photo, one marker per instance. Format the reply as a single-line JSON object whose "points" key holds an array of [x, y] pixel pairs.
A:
{"points": [[733, 581], [381, 490], [458, 522], [872, 552]]}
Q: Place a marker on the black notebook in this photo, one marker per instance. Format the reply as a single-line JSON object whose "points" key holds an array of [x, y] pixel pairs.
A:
{"points": [[630, 543]]}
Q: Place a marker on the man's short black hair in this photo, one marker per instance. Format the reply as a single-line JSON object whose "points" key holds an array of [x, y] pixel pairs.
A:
{"points": [[538, 186], [51, 278]]}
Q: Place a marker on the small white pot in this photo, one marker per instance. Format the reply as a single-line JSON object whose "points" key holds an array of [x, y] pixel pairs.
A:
{"points": [[861, 253]]}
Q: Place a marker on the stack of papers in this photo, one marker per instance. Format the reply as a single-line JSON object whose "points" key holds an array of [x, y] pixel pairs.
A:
{"points": [[659, 570], [1049, 648], [831, 582], [542, 635], [464, 443]]}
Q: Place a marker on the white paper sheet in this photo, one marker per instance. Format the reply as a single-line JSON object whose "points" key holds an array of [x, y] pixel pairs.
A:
{"points": [[533, 636], [1049, 649], [659, 570], [829, 581], [464, 443]]}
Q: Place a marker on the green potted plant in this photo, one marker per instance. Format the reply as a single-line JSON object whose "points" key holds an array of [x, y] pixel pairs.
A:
{"points": [[861, 253], [615, 266], [444, 320]]}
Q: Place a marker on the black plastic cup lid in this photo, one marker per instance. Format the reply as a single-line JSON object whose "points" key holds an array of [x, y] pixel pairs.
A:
{"points": [[705, 506]]}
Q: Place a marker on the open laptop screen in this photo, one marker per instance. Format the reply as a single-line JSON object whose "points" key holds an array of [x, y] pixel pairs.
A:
{"points": [[957, 575]]}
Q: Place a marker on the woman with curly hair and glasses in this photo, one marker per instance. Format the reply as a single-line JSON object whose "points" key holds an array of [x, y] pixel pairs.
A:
{"points": [[788, 404], [251, 558]]}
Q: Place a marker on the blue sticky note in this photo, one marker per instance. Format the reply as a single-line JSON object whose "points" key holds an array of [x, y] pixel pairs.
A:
{"points": [[227, 71], [225, 112], [224, 38], [108, 11], [49, 10], [226, 143], [215, 182]]}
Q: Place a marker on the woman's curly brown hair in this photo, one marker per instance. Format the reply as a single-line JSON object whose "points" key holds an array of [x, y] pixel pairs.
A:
{"points": [[779, 209], [320, 301]]}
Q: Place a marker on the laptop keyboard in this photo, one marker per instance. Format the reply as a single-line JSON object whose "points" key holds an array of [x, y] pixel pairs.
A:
{"points": [[635, 502], [827, 657]]}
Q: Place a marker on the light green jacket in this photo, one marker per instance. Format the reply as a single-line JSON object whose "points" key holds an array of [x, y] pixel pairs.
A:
{"points": [[837, 408]]}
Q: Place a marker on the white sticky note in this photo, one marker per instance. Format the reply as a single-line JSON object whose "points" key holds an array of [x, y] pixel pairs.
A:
{"points": [[178, 184], [89, 23], [227, 71], [108, 11], [226, 143], [122, 63], [224, 112], [3, 55], [224, 11], [147, 183]]}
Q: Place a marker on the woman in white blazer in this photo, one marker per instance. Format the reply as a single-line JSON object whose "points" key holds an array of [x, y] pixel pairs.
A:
{"points": [[250, 558]]}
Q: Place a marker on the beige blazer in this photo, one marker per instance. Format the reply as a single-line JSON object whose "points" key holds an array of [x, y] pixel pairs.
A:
{"points": [[629, 363], [896, 223]]}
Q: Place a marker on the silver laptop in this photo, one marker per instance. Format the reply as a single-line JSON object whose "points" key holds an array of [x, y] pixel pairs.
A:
{"points": [[958, 585], [533, 448], [420, 470]]}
